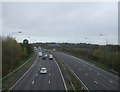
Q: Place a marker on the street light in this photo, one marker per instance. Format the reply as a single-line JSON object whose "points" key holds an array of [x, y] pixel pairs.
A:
{"points": [[11, 49], [87, 40], [105, 36]]}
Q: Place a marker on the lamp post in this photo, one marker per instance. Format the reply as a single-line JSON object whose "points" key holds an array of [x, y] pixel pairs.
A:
{"points": [[87, 43], [12, 50], [32, 39], [87, 40], [106, 38]]}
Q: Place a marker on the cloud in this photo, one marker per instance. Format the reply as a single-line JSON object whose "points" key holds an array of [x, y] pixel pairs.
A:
{"points": [[61, 21]]}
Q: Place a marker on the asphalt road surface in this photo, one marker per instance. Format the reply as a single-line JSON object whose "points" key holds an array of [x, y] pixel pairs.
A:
{"points": [[93, 77], [33, 80]]}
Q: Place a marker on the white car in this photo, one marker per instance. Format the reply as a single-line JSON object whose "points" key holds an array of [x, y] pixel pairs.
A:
{"points": [[43, 70], [50, 57], [46, 55]]}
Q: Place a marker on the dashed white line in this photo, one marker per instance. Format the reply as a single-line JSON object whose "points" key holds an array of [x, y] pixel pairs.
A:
{"points": [[91, 65], [36, 74], [24, 74], [49, 74], [98, 74], [49, 82], [96, 82], [86, 74], [33, 82], [110, 81]]}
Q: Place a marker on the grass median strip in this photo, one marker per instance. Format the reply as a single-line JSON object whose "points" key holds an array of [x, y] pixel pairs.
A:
{"points": [[72, 83]]}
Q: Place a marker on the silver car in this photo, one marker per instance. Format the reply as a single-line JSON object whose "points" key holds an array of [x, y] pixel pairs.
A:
{"points": [[43, 70]]}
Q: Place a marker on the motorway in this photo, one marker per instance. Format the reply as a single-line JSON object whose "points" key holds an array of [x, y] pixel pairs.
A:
{"points": [[93, 77], [33, 80]]}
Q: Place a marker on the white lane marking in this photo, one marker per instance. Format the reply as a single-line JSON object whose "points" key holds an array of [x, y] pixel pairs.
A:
{"points": [[78, 78], [24, 74], [33, 82], [36, 74], [81, 60], [96, 82], [49, 74], [110, 81], [86, 74], [98, 74], [61, 75], [49, 82]]}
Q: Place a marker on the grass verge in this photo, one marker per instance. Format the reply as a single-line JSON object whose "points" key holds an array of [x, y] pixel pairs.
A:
{"points": [[22, 64]]}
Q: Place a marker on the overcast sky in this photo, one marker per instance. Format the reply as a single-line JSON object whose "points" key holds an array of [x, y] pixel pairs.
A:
{"points": [[61, 22]]}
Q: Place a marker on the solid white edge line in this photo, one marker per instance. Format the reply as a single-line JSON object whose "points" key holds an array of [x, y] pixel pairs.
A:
{"points": [[16, 69], [23, 75], [96, 82], [61, 74], [84, 61], [78, 78], [33, 82]]}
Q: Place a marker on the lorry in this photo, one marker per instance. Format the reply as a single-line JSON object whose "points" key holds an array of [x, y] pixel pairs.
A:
{"points": [[40, 54]]}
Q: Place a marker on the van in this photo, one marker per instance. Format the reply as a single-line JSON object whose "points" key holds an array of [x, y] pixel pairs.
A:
{"points": [[40, 54]]}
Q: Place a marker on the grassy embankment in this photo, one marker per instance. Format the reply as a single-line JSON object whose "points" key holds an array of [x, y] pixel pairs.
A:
{"points": [[16, 70]]}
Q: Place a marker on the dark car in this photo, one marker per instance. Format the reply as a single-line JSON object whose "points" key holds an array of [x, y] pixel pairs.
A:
{"points": [[44, 56]]}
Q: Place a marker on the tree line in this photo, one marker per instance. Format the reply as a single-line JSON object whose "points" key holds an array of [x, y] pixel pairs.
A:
{"points": [[13, 53], [107, 55]]}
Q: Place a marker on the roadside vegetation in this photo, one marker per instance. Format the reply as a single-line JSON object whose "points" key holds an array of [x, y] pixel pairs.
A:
{"points": [[14, 54], [105, 57]]}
